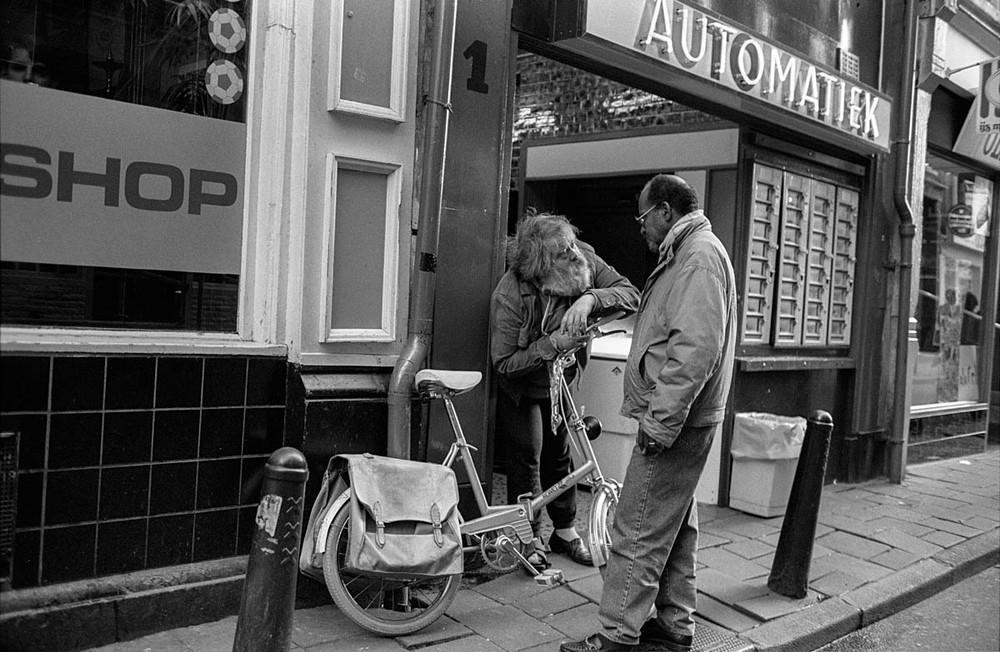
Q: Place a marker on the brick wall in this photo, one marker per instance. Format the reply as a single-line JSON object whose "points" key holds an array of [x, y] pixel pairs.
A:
{"points": [[555, 100]]}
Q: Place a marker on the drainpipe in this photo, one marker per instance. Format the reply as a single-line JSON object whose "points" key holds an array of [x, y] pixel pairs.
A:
{"points": [[901, 150], [420, 327]]}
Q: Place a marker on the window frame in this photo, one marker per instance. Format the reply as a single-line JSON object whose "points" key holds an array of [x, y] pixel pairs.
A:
{"points": [[396, 111], [390, 250]]}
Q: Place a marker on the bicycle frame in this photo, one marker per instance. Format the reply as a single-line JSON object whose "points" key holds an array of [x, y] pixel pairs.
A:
{"points": [[519, 516]]}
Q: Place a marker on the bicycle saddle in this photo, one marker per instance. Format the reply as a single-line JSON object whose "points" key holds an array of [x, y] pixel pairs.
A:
{"points": [[457, 381]]}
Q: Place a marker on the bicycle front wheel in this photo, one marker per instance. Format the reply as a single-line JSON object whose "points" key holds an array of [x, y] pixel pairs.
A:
{"points": [[600, 521], [389, 607]]}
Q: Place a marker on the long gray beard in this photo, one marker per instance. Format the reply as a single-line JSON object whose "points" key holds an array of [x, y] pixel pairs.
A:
{"points": [[568, 281]]}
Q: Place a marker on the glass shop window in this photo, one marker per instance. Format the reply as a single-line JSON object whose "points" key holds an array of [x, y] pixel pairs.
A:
{"points": [[956, 225], [122, 142]]}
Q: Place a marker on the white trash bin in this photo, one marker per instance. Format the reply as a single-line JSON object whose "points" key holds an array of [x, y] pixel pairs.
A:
{"points": [[765, 452]]}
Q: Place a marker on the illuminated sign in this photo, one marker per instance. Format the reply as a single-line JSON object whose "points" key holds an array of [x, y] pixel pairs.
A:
{"points": [[88, 181], [980, 135], [709, 47]]}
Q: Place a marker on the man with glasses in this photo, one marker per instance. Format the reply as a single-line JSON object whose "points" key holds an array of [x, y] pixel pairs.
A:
{"points": [[676, 383]]}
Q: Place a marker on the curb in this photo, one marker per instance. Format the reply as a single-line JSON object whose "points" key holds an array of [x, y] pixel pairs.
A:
{"points": [[854, 610]]}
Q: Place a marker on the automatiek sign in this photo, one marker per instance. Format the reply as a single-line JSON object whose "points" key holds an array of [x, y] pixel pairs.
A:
{"points": [[87, 181], [710, 47], [980, 135]]}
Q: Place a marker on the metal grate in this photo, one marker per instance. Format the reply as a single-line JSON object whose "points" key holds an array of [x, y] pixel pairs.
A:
{"points": [[848, 63], [8, 503], [710, 638]]}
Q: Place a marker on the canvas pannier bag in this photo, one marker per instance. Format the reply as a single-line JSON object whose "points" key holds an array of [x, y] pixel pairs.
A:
{"points": [[335, 481], [404, 518]]}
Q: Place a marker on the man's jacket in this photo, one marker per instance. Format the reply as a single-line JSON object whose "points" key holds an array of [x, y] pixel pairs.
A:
{"points": [[680, 365], [519, 342]]}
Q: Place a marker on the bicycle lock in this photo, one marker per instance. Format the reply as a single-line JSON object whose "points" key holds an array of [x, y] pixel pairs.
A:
{"points": [[265, 621]]}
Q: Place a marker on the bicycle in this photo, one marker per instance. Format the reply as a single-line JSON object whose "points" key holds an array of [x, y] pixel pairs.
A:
{"points": [[402, 606]]}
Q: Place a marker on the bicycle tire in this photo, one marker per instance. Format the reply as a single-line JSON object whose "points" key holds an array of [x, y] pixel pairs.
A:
{"points": [[600, 521], [362, 598]]}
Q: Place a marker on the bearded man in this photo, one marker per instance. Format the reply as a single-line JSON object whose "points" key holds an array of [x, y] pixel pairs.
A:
{"points": [[540, 308]]}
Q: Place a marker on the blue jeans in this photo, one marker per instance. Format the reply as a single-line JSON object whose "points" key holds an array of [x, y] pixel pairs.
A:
{"points": [[655, 539]]}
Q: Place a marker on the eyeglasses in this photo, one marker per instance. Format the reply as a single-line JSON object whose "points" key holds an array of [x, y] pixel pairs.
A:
{"points": [[641, 219]]}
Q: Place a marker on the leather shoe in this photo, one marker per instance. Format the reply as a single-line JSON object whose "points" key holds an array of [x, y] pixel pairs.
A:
{"points": [[575, 549], [653, 633], [595, 643]]}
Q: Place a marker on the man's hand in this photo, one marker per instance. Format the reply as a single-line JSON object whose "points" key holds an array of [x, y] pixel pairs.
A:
{"points": [[647, 445], [563, 341], [574, 321]]}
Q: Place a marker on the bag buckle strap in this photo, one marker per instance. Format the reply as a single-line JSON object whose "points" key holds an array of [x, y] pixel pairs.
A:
{"points": [[379, 524], [436, 522]]}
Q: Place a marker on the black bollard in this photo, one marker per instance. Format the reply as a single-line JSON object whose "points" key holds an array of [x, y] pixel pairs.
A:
{"points": [[790, 568], [265, 622]]}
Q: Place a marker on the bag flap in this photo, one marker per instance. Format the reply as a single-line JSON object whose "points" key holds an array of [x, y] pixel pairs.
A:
{"points": [[404, 490]]}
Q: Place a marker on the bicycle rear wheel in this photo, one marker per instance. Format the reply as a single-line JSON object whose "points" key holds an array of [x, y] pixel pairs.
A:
{"points": [[389, 607], [600, 520]]}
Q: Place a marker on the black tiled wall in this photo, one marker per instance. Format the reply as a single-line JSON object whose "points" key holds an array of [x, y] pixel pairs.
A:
{"points": [[133, 462]]}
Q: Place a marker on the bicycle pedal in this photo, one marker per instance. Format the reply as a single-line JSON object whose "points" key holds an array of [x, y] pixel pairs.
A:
{"points": [[549, 577]]}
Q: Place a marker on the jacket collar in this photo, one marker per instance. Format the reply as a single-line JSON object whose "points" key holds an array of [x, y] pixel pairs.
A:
{"points": [[693, 221]]}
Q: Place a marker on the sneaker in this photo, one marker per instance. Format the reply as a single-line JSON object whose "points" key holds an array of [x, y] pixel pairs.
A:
{"points": [[594, 643], [575, 549], [653, 633]]}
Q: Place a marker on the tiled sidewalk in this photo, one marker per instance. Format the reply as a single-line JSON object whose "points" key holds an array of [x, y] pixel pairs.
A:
{"points": [[879, 547]]}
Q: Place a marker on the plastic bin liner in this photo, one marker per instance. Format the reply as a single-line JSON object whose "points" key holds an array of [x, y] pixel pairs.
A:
{"points": [[763, 436]]}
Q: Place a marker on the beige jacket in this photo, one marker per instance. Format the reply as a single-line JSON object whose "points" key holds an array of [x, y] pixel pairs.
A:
{"points": [[680, 366]]}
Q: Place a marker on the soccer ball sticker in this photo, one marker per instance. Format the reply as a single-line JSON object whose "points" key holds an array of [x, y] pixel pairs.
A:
{"points": [[224, 81], [227, 31]]}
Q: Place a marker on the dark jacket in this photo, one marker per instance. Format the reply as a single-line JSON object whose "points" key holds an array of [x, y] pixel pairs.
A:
{"points": [[519, 342]]}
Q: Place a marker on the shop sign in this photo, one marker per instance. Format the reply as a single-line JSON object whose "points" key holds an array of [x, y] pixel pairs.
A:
{"points": [[709, 47], [980, 135], [88, 181]]}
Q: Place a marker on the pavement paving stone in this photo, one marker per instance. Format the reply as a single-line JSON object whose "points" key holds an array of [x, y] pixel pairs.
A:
{"points": [[986, 511], [570, 569], [510, 587], [168, 640], [216, 636], [851, 525], [748, 548], [468, 644], [907, 542], [806, 629], [723, 615], [367, 643], [853, 545], [845, 563], [751, 527], [773, 605], [550, 602], [510, 628], [836, 582], [730, 564], [707, 540], [909, 527], [951, 527], [980, 523], [895, 559], [320, 625], [726, 588], [441, 630], [589, 587], [577, 622], [470, 600], [899, 590], [943, 539], [985, 547]]}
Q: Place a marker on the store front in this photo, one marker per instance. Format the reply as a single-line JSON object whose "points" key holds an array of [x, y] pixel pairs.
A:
{"points": [[956, 303], [785, 152]]}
